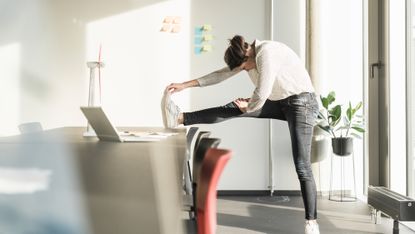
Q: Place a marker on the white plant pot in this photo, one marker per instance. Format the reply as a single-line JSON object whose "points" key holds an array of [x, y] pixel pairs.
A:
{"points": [[320, 146]]}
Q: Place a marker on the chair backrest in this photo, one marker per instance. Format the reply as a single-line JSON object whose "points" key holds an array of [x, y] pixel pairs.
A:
{"points": [[213, 165], [200, 136], [200, 153], [30, 127], [191, 133]]}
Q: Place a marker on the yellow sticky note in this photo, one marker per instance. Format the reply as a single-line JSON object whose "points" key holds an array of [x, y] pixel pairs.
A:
{"points": [[176, 28], [207, 37], [165, 28], [177, 20], [207, 27], [168, 19], [207, 48]]}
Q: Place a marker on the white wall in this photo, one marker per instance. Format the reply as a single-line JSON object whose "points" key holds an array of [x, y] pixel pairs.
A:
{"points": [[248, 169], [45, 45], [289, 28]]}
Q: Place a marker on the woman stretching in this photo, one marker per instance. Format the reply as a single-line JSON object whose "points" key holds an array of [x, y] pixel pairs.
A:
{"points": [[283, 90]]}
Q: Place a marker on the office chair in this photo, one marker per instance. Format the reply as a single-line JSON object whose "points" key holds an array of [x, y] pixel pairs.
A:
{"points": [[204, 145], [213, 164], [191, 133], [200, 136]]}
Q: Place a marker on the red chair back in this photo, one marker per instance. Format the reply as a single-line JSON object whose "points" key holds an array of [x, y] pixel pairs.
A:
{"points": [[212, 167]]}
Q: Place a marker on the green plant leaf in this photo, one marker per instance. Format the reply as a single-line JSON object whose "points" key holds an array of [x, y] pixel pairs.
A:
{"points": [[331, 97], [356, 135], [349, 112], [326, 101], [336, 113], [343, 128], [358, 106], [334, 123], [325, 128], [358, 129], [346, 122]]}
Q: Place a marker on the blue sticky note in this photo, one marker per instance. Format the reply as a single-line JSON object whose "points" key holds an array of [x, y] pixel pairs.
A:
{"points": [[198, 40], [198, 50], [198, 31]]}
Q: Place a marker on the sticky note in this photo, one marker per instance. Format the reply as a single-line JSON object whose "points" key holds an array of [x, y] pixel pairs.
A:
{"points": [[198, 31], [168, 19], [207, 27], [177, 20], [207, 48], [165, 28], [176, 28], [207, 37], [198, 50], [198, 40]]}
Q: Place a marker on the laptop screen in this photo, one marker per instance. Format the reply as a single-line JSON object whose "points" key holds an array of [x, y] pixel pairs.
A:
{"points": [[100, 123]]}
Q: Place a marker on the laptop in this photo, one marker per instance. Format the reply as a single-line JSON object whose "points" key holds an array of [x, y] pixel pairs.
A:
{"points": [[107, 132]]}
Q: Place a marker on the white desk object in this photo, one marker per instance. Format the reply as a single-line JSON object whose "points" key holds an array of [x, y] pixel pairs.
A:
{"points": [[94, 97]]}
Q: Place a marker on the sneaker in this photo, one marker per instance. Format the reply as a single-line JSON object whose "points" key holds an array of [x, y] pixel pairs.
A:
{"points": [[170, 111], [311, 227]]}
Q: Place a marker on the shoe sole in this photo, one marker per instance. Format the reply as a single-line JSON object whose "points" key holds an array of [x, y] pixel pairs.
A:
{"points": [[163, 110]]}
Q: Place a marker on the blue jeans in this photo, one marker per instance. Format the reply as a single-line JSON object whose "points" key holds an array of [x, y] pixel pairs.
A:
{"points": [[300, 112]]}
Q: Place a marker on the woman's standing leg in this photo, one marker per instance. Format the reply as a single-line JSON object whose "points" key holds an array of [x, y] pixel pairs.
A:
{"points": [[300, 112]]}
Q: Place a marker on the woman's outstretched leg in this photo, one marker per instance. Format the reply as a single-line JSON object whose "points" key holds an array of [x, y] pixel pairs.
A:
{"points": [[172, 115], [211, 115]]}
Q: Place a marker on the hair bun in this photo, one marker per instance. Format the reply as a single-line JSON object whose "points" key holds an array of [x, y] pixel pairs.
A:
{"points": [[237, 41], [235, 54]]}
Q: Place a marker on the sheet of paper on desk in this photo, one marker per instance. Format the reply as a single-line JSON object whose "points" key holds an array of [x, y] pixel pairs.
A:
{"points": [[160, 135]]}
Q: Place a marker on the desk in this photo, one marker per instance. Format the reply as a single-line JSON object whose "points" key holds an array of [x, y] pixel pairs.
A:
{"points": [[57, 181]]}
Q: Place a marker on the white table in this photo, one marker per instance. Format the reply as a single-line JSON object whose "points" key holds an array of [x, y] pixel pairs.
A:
{"points": [[57, 181]]}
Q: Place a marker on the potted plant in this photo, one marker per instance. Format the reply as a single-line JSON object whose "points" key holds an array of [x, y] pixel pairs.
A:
{"points": [[342, 127]]}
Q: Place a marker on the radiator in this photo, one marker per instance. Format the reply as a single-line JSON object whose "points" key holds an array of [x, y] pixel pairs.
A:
{"points": [[393, 204]]}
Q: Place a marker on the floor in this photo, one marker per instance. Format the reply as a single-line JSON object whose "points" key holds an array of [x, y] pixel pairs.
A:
{"points": [[283, 214]]}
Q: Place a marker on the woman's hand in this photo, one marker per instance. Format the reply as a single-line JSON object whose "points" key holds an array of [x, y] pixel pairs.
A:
{"points": [[242, 103], [175, 87]]}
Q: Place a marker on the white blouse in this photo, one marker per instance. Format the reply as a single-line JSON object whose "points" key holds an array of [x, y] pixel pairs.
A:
{"points": [[279, 73]]}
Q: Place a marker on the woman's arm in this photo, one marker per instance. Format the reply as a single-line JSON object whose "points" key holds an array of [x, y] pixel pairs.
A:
{"points": [[177, 87], [217, 76], [209, 79]]}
